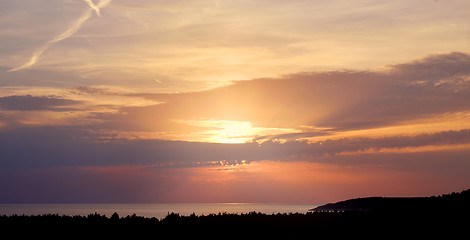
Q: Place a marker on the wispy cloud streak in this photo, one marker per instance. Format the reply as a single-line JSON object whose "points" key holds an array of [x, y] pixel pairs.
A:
{"points": [[94, 7], [69, 32]]}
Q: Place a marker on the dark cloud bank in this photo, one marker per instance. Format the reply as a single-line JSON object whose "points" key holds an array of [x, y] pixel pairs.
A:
{"points": [[32, 103], [55, 164], [58, 147]]}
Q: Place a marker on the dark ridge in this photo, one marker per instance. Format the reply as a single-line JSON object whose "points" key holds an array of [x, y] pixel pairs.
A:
{"points": [[447, 202]]}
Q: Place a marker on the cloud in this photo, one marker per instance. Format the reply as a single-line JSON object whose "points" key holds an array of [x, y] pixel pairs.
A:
{"points": [[194, 46], [69, 32], [94, 7], [33, 103], [33, 147], [434, 68], [71, 164], [89, 90], [361, 144], [35, 79], [435, 88], [419, 97], [400, 99]]}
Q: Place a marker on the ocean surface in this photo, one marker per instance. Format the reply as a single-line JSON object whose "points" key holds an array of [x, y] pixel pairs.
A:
{"points": [[151, 210]]}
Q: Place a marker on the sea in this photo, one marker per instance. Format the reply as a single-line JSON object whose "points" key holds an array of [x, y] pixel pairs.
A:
{"points": [[157, 210]]}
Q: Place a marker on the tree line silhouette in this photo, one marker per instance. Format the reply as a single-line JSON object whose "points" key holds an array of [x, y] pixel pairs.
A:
{"points": [[447, 215]]}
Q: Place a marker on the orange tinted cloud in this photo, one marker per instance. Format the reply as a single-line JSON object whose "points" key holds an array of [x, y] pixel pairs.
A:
{"points": [[295, 182], [139, 104], [310, 137], [407, 99]]}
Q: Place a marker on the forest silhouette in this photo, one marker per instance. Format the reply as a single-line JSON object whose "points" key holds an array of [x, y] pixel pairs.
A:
{"points": [[446, 215]]}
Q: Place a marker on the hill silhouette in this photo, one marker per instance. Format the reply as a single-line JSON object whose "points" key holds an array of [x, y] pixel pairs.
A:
{"points": [[447, 202]]}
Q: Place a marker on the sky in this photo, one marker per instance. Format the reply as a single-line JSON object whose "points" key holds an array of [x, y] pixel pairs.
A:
{"points": [[269, 101]]}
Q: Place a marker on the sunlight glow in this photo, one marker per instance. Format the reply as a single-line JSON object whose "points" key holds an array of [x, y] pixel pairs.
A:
{"points": [[223, 131]]}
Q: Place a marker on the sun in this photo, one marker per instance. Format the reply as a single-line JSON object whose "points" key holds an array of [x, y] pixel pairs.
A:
{"points": [[226, 131]]}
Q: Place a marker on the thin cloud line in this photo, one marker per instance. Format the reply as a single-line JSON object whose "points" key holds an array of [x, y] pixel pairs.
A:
{"points": [[94, 7], [69, 32]]}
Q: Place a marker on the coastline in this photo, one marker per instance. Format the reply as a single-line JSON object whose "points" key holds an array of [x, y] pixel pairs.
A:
{"points": [[451, 219], [149, 210]]}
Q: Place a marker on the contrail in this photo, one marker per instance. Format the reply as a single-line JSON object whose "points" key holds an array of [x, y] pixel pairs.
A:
{"points": [[69, 32], [93, 6], [100, 5]]}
